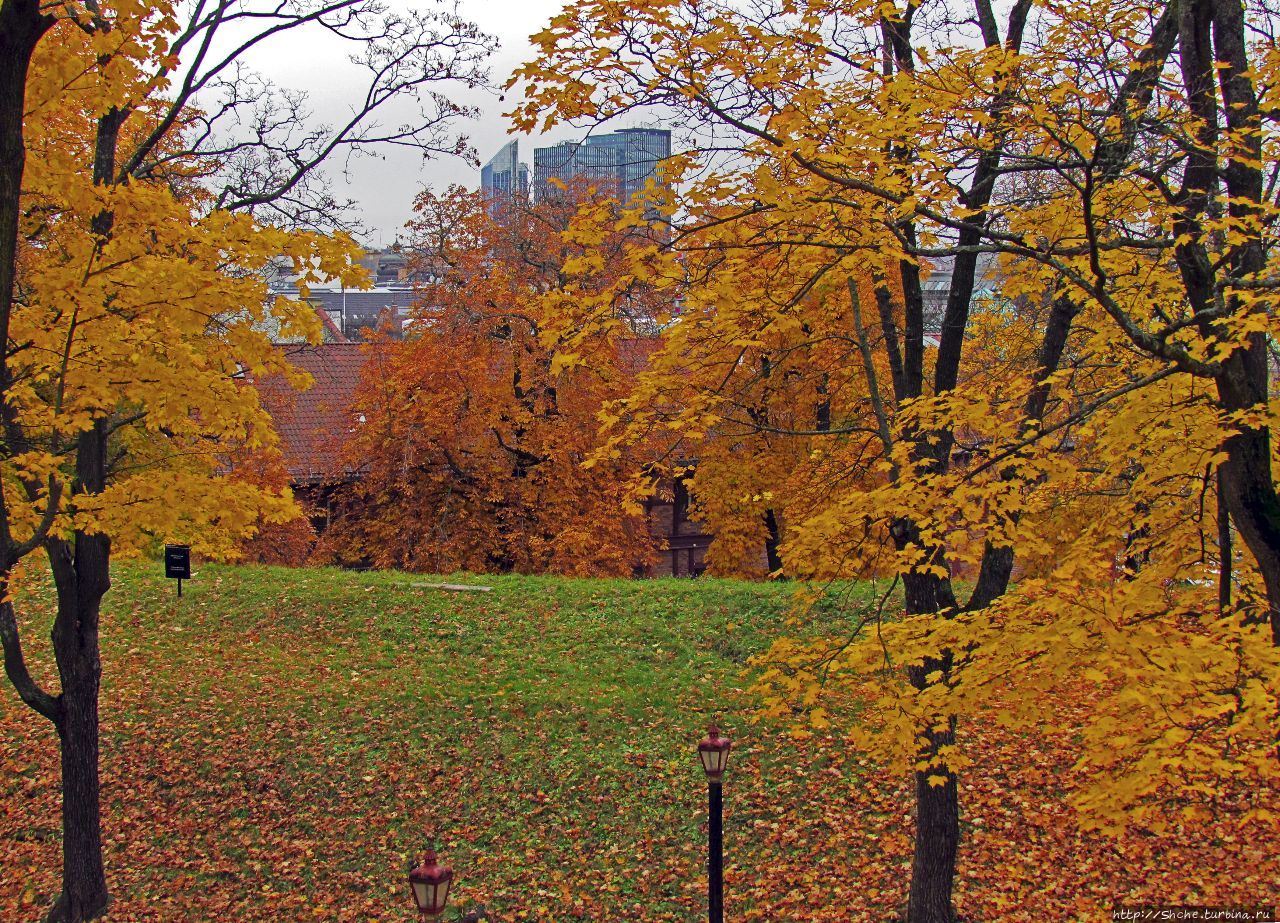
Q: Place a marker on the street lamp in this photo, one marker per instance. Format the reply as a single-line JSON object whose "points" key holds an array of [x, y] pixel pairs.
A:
{"points": [[714, 753], [430, 883]]}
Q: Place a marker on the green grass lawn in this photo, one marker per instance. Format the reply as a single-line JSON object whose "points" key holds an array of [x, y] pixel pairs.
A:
{"points": [[279, 743], [287, 738]]}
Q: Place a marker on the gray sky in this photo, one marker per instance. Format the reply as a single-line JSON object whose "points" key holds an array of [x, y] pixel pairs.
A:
{"points": [[385, 185]]}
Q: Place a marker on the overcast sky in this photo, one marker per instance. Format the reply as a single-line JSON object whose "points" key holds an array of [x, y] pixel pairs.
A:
{"points": [[385, 186]]}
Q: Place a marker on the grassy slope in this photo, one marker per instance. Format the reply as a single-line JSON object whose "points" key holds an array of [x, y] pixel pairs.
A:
{"points": [[277, 727], [278, 742]]}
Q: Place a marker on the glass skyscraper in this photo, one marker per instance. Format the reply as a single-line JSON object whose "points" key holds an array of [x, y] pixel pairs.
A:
{"points": [[505, 177], [623, 161]]}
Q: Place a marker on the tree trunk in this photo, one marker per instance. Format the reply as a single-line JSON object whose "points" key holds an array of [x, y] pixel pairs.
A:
{"points": [[1224, 546], [937, 839], [772, 541], [81, 578], [84, 884], [1250, 493], [1243, 382], [21, 28], [81, 573]]}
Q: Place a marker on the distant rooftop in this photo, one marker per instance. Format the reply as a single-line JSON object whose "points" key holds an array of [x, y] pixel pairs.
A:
{"points": [[314, 425]]}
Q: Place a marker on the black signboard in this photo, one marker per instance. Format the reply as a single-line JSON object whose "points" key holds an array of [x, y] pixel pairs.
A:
{"points": [[177, 561]]}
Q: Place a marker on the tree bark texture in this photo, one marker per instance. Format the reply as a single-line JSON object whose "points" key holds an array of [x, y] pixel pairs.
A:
{"points": [[937, 840], [1247, 482], [21, 28], [81, 574], [933, 865]]}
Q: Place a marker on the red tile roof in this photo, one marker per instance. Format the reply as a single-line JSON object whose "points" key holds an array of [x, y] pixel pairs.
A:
{"points": [[314, 424]]}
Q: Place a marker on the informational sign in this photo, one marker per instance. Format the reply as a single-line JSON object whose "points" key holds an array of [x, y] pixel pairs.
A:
{"points": [[177, 563]]}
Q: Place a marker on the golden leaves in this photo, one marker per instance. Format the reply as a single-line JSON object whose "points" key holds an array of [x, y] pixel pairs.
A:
{"points": [[150, 329], [846, 168]]}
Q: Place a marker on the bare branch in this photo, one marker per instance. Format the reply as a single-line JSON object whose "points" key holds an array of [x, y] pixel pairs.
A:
{"points": [[15, 665], [869, 367]]}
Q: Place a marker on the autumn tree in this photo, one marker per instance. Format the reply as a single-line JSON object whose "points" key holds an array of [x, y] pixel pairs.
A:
{"points": [[280, 544], [815, 74], [131, 301], [1088, 153], [473, 433]]}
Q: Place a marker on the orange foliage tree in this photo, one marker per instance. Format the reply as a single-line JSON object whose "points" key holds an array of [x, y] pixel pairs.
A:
{"points": [[288, 543], [474, 433]]}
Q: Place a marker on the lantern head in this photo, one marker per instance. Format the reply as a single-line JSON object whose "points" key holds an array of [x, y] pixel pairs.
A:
{"points": [[714, 753], [430, 883]]}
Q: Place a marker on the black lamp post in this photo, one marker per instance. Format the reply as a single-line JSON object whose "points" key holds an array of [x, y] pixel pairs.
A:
{"points": [[430, 884], [714, 753]]}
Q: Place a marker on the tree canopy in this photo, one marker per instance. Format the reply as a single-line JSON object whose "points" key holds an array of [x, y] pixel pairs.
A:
{"points": [[474, 431], [1096, 421]]}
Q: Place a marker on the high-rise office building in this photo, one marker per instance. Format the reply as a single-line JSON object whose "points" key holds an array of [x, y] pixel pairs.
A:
{"points": [[624, 160], [505, 177]]}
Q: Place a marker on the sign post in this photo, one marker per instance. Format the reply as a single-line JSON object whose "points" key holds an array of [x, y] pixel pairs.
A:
{"points": [[177, 563]]}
